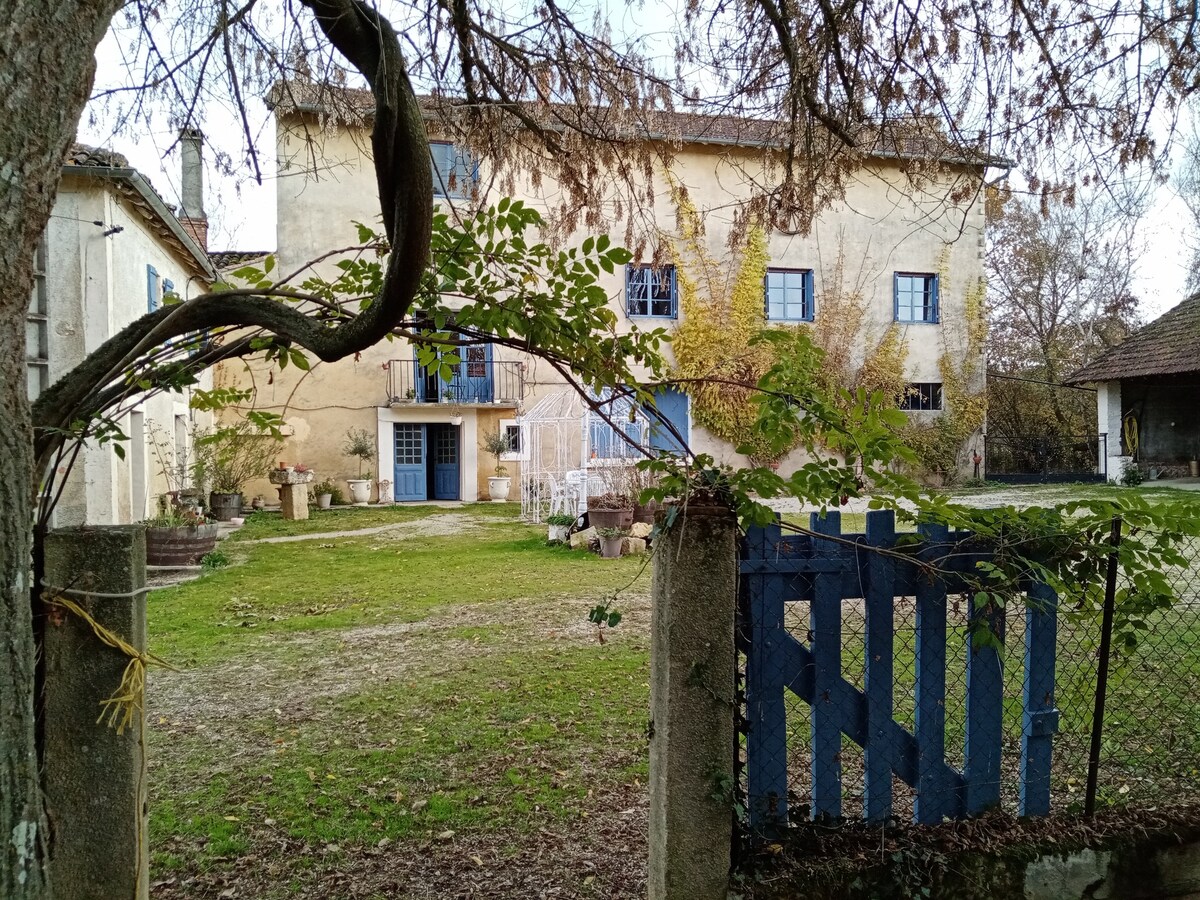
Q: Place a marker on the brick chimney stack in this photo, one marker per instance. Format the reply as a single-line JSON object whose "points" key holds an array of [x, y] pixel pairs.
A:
{"points": [[191, 208]]}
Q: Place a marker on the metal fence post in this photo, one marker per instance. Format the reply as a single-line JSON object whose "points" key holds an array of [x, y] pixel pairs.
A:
{"points": [[1106, 627]]}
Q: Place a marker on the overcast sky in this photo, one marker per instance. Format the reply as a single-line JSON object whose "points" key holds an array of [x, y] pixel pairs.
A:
{"points": [[242, 212]]}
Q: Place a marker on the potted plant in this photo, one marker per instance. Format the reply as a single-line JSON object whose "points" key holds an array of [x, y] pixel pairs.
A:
{"points": [[227, 458], [610, 510], [560, 527], [359, 444], [497, 444], [612, 541], [327, 493], [178, 536]]}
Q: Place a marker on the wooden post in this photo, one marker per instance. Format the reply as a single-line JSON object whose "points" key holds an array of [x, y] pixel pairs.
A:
{"points": [[95, 778], [880, 578], [766, 713], [826, 625], [1040, 721], [932, 802]]}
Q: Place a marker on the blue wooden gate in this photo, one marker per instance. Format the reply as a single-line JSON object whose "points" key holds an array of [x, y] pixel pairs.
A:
{"points": [[821, 573]]}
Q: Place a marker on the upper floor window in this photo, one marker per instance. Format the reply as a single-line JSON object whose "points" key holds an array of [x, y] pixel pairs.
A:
{"points": [[454, 171], [789, 295], [922, 395], [651, 291], [916, 297]]}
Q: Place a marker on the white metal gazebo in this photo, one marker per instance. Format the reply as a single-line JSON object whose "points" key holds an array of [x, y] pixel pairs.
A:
{"points": [[574, 452]]}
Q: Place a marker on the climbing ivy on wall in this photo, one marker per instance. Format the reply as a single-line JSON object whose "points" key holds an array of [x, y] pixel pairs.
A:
{"points": [[718, 345], [938, 442], [723, 313]]}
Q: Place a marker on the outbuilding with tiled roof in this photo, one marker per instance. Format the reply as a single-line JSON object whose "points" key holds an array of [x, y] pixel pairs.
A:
{"points": [[1147, 395]]}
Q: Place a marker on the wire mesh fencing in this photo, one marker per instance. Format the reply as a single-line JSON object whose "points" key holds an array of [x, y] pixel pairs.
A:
{"points": [[1150, 742]]}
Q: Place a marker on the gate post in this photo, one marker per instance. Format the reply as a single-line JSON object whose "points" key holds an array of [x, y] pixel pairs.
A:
{"points": [[692, 662], [95, 777]]}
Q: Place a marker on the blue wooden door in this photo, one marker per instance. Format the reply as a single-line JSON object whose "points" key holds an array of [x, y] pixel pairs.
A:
{"points": [[411, 473], [445, 462], [475, 383], [672, 405]]}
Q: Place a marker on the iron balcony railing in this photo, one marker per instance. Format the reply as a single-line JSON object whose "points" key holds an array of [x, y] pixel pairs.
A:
{"points": [[474, 381]]}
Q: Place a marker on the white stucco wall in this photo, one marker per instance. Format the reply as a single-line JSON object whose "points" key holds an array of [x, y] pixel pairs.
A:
{"points": [[97, 285], [326, 182]]}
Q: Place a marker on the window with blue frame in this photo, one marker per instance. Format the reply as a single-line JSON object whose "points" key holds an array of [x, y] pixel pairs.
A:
{"points": [[651, 291], [454, 171], [789, 295], [916, 297], [671, 404]]}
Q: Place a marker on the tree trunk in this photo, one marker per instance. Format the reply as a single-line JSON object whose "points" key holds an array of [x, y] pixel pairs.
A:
{"points": [[47, 65]]}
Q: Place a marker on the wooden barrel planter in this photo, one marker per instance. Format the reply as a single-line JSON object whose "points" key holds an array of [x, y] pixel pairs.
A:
{"points": [[182, 545], [224, 506]]}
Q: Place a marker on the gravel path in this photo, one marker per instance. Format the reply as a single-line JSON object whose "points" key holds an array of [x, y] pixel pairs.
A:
{"points": [[433, 526]]}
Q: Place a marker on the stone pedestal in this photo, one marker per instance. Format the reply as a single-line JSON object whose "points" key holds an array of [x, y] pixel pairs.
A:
{"points": [[293, 492]]}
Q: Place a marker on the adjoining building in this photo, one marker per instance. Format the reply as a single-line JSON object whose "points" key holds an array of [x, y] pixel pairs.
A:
{"points": [[112, 251]]}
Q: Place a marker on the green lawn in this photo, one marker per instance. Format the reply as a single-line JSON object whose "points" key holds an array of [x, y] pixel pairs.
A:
{"points": [[383, 710], [402, 687]]}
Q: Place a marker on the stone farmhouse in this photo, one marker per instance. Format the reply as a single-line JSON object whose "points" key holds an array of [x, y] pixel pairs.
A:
{"points": [[914, 255]]}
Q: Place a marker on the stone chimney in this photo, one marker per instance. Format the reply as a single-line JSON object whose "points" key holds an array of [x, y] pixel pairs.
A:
{"points": [[191, 207]]}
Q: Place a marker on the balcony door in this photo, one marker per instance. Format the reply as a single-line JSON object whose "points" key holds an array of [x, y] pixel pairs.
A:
{"points": [[472, 379]]}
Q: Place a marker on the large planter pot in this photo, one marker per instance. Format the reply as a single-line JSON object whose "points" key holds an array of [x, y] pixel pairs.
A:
{"points": [[324, 500], [498, 486], [224, 506], [610, 518], [360, 491], [183, 545], [610, 547], [645, 513]]}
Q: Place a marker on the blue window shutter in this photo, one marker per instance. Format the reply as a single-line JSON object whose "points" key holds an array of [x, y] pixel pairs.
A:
{"points": [[153, 299], [896, 296], [168, 287], [674, 295], [810, 309], [936, 310]]}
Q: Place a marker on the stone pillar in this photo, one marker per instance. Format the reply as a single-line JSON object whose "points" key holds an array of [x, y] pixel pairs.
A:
{"points": [[1111, 423], [95, 778], [293, 500], [692, 660]]}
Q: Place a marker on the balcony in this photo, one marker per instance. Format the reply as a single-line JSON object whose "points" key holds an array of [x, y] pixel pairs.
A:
{"points": [[475, 382]]}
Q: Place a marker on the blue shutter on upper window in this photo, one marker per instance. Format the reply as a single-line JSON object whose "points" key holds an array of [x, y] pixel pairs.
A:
{"points": [[153, 298]]}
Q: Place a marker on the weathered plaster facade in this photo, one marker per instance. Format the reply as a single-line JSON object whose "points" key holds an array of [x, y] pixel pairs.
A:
{"points": [[97, 280], [326, 183]]}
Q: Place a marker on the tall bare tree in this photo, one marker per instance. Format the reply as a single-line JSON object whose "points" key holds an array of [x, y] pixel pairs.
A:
{"points": [[1060, 290], [536, 88]]}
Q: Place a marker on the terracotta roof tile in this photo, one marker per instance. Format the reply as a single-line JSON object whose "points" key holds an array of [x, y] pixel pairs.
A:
{"points": [[231, 259]]}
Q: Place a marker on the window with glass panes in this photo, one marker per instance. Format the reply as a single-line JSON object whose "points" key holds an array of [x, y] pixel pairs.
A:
{"points": [[789, 295], [916, 297], [650, 291], [454, 171], [924, 395]]}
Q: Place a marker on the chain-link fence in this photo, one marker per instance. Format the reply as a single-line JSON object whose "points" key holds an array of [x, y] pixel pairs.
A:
{"points": [[1150, 743]]}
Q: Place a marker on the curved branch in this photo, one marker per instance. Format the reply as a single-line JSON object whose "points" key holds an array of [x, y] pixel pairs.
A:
{"points": [[401, 155]]}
